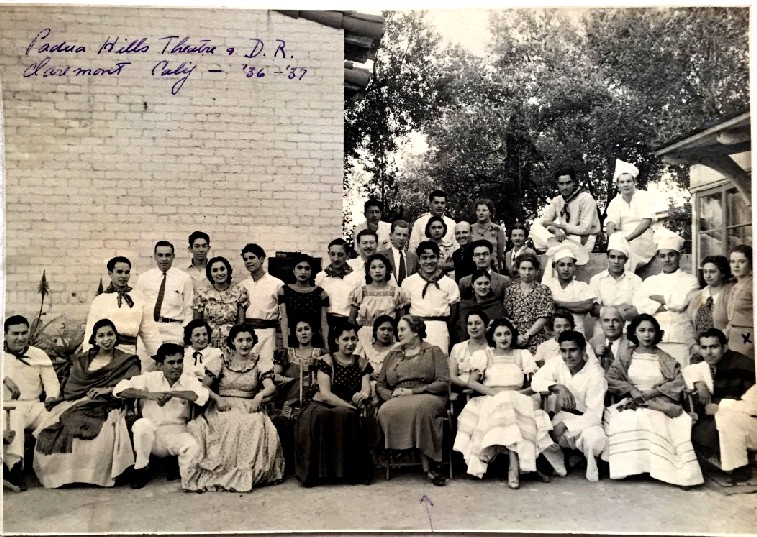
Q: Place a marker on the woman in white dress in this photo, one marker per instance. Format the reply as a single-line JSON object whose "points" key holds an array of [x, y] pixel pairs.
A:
{"points": [[505, 419], [632, 212], [648, 430]]}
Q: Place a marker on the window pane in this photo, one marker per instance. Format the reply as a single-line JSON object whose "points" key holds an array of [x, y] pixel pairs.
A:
{"points": [[711, 212], [738, 212], [739, 235], [710, 243]]}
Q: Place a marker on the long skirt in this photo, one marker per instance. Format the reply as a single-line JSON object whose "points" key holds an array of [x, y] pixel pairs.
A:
{"points": [[238, 450], [648, 441], [414, 421], [98, 461], [507, 421], [333, 444]]}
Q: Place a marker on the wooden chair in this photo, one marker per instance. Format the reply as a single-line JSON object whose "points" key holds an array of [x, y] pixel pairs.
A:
{"points": [[8, 408]]}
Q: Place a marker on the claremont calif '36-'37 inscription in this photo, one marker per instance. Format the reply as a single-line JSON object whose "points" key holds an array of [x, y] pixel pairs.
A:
{"points": [[56, 57]]}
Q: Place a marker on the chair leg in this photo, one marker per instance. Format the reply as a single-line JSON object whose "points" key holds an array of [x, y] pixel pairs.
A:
{"points": [[387, 462]]}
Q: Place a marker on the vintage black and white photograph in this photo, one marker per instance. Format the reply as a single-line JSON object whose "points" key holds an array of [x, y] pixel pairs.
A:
{"points": [[384, 270]]}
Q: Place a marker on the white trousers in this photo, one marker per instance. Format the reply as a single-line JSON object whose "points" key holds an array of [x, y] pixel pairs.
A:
{"points": [[592, 442], [737, 432], [266, 345], [163, 440], [437, 334], [27, 416]]}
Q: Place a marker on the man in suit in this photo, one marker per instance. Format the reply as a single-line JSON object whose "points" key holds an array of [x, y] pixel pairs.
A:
{"points": [[396, 253], [611, 341], [482, 256]]}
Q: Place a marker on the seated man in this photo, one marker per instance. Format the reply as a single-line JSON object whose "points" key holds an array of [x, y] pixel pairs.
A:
{"points": [[725, 375], [561, 321], [27, 372], [610, 342], [579, 388], [166, 396]]}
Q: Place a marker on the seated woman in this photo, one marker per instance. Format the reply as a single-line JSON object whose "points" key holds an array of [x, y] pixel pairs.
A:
{"points": [[200, 359], [375, 298], [239, 445], [479, 296], [222, 304], [476, 322], [290, 366], [332, 442], [384, 336], [648, 430], [414, 385], [84, 439], [506, 419]]}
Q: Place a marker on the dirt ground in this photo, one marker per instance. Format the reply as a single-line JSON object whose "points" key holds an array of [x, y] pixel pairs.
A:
{"points": [[569, 504]]}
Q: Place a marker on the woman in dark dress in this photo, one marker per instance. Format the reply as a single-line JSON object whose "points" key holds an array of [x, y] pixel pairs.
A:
{"points": [[303, 301], [332, 440]]}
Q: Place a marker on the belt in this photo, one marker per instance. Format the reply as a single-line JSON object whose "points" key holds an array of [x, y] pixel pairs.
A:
{"points": [[127, 340], [438, 318], [167, 320], [262, 323], [239, 394]]}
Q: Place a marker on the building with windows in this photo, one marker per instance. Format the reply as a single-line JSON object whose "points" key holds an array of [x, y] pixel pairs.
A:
{"points": [[720, 157]]}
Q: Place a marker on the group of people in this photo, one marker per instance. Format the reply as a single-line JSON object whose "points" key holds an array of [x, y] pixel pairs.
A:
{"points": [[375, 349]]}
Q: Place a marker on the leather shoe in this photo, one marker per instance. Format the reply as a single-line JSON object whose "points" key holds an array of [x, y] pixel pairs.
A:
{"points": [[139, 477]]}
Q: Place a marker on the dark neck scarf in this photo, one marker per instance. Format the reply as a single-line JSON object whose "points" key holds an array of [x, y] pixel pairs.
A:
{"points": [[122, 294], [332, 273], [565, 211], [431, 280], [20, 355], [197, 355]]}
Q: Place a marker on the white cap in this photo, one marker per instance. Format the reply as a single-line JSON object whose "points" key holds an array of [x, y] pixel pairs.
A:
{"points": [[667, 240], [569, 248], [617, 241], [625, 167]]}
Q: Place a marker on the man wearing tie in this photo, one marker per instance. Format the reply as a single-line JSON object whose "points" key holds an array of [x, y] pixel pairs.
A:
{"points": [[403, 263], [169, 292], [611, 342]]}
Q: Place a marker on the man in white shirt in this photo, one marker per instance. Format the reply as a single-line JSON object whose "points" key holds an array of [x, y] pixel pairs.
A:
{"points": [[610, 342], [437, 204], [482, 251], [616, 286], [129, 310], [366, 242], [165, 396], [433, 296], [199, 246], [562, 320], [578, 387], [567, 292], [667, 295], [169, 293], [338, 280], [404, 263], [570, 216], [372, 211], [263, 298], [27, 373]]}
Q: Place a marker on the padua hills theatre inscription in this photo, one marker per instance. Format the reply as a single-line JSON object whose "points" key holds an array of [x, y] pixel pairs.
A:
{"points": [[53, 55]]}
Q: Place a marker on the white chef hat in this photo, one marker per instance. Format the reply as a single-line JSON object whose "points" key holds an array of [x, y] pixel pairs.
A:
{"points": [[667, 240], [617, 241], [569, 248], [624, 167]]}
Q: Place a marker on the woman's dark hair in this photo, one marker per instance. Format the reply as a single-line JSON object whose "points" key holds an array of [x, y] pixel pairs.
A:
{"points": [[527, 257], [519, 225], [631, 330], [478, 313], [562, 314], [746, 250], [238, 329], [294, 329], [496, 323], [191, 325], [384, 260], [340, 328], [431, 221], [427, 245], [417, 325], [469, 292], [225, 262], [381, 319], [304, 258], [98, 325], [722, 264]]}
